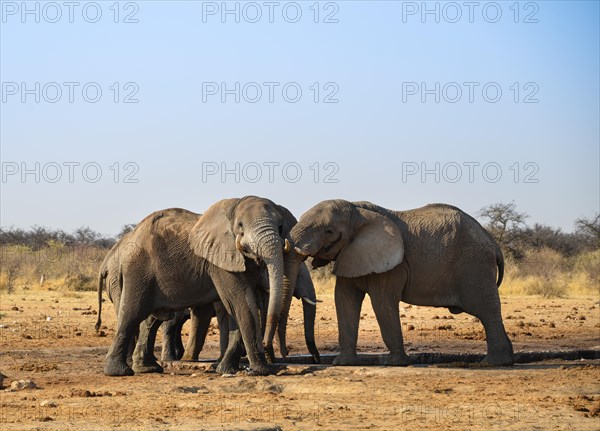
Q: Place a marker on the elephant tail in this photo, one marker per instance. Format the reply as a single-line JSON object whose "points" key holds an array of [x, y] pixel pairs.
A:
{"points": [[500, 263], [101, 280]]}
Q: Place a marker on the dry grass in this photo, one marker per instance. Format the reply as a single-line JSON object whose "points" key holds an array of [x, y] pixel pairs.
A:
{"points": [[543, 273]]}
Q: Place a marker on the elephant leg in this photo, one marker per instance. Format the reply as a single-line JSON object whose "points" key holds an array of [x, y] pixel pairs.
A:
{"points": [[144, 360], [230, 363], [179, 349], [223, 322], [388, 317], [172, 348], [348, 302], [200, 317], [116, 359], [133, 309], [237, 294], [486, 307]]}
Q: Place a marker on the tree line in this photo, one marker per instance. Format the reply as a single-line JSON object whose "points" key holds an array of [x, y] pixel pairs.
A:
{"points": [[502, 220]]}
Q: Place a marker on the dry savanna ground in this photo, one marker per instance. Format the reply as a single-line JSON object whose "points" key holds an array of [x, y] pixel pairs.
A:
{"points": [[48, 337]]}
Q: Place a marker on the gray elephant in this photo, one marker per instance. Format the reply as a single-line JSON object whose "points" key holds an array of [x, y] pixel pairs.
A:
{"points": [[177, 259], [436, 255], [172, 348]]}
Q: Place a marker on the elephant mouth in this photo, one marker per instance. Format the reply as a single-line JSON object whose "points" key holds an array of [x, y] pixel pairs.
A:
{"points": [[327, 248]]}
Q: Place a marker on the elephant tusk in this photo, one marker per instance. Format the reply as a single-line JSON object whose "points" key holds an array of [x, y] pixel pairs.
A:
{"points": [[308, 301], [287, 246], [238, 242]]}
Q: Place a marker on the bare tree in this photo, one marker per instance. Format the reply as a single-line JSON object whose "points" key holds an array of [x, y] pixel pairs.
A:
{"points": [[590, 227], [506, 224]]}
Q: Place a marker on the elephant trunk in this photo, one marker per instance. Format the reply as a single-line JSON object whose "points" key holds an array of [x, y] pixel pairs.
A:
{"points": [[270, 250], [291, 269], [309, 309]]}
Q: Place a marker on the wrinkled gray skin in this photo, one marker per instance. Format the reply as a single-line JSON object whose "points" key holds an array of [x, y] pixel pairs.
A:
{"points": [[173, 347], [436, 255], [176, 259]]}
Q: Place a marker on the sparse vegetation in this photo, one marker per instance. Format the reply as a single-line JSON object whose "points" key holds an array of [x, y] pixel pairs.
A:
{"points": [[50, 260]]}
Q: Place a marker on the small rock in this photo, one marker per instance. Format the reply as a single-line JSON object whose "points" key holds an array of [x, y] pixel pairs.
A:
{"points": [[48, 403], [15, 308], [48, 318], [18, 385]]}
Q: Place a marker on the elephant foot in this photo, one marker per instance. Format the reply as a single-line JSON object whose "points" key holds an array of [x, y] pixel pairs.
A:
{"points": [[259, 370], [400, 359], [168, 358], [225, 368], [189, 357], [346, 359], [116, 368], [147, 368], [499, 359]]}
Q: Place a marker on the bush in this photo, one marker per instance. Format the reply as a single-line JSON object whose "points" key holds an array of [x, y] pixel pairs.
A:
{"points": [[546, 288], [79, 282]]}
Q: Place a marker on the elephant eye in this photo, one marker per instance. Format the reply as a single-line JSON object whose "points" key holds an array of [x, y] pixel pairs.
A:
{"points": [[328, 231], [280, 229]]}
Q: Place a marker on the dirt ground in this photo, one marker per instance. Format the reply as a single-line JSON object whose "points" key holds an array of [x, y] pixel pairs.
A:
{"points": [[49, 338]]}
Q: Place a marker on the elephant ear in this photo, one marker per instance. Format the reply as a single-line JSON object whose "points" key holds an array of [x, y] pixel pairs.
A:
{"points": [[376, 247], [289, 221], [212, 237]]}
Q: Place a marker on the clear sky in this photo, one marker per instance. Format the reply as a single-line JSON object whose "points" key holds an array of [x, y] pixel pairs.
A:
{"points": [[517, 116]]}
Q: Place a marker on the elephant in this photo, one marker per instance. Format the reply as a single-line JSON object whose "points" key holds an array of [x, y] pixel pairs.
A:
{"points": [[178, 259], [436, 255], [172, 348]]}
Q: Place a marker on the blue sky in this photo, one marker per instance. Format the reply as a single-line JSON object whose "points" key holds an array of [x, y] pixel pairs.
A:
{"points": [[374, 141]]}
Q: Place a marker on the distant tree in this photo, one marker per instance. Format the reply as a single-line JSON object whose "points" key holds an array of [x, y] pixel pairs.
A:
{"points": [[125, 230], [541, 236], [590, 228], [506, 225], [38, 237], [86, 236]]}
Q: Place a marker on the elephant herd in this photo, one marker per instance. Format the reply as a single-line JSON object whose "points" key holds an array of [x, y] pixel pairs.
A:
{"points": [[243, 261]]}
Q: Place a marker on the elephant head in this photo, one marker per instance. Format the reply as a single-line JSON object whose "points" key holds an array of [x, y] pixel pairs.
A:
{"points": [[360, 241], [234, 230]]}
